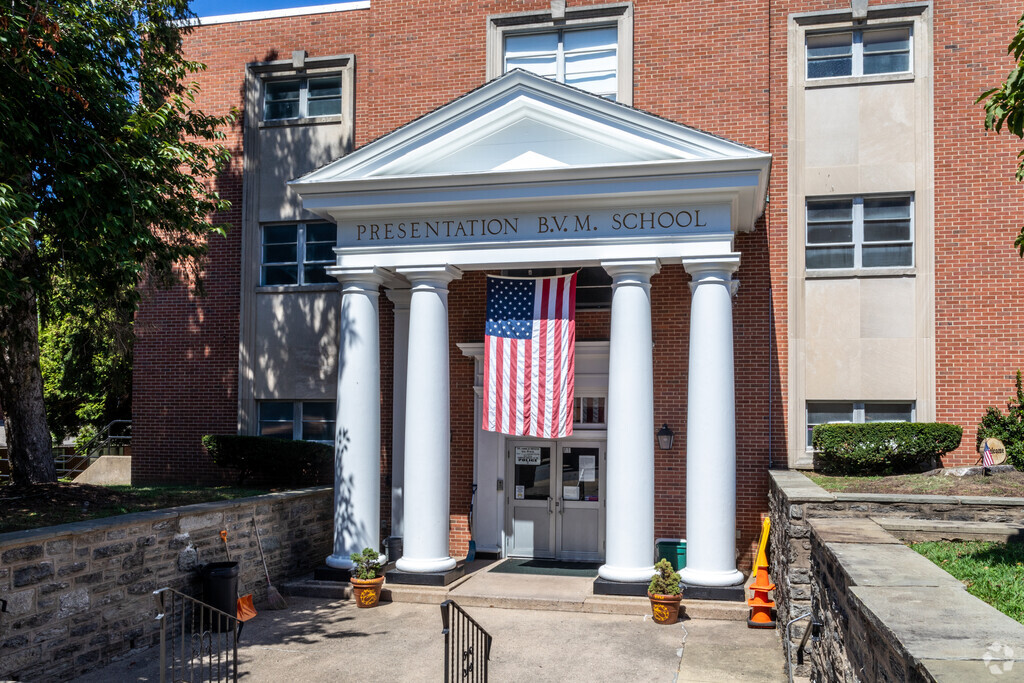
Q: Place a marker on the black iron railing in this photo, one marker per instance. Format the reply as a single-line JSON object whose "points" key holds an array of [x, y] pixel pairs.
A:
{"points": [[197, 642], [467, 646]]}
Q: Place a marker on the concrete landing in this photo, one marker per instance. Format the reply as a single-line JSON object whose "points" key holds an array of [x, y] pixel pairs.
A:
{"points": [[484, 588]]}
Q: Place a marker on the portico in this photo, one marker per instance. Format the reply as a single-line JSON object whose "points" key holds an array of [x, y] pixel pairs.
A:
{"points": [[527, 173]]}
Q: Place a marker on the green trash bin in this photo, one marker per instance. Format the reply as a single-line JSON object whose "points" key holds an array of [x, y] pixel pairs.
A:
{"points": [[673, 550]]}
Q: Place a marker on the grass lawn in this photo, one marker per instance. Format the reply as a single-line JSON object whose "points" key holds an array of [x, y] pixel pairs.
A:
{"points": [[993, 572], [999, 484], [61, 503]]}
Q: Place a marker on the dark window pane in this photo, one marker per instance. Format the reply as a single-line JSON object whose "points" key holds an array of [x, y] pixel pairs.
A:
{"points": [[277, 410], [888, 412], [535, 479], [321, 232], [280, 275], [593, 276], [832, 210], [282, 91], [886, 231], [328, 107], [589, 410], [825, 412], [320, 251], [280, 234], [281, 110], [317, 275], [325, 87], [887, 207], [887, 63], [276, 419], [829, 233], [318, 421], [830, 257], [830, 68], [887, 40], [881, 256], [279, 253], [829, 45]]}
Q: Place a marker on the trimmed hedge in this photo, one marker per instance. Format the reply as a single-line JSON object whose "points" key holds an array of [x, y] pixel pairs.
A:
{"points": [[882, 447], [276, 461]]}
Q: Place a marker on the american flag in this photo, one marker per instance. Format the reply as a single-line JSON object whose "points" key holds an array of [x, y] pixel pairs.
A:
{"points": [[986, 455], [529, 356]]}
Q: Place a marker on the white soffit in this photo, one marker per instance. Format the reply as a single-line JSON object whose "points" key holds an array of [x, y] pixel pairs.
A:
{"points": [[520, 130]]}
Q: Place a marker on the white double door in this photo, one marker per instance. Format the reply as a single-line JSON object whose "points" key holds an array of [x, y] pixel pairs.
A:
{"points": [[555, 500]]}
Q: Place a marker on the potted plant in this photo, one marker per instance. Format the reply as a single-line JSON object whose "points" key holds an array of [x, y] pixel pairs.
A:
{"points": [[665, 593], [367, 577]]}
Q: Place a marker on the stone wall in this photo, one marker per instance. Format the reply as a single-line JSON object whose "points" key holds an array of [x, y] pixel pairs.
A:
{"points": [[80, 595], [804, 572]]}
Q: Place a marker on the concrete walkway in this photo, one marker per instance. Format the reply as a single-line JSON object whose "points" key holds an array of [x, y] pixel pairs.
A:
{"points": [[318, 640]]}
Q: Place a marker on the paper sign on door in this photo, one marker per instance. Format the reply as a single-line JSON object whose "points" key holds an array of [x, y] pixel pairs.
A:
{"points": [[588, 468], [527, 455], [520, 492]]}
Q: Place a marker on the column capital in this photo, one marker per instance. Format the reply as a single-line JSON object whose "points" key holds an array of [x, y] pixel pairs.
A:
{"points": [[399, 296], [432, 276], [360, 278], [712, 268], [635, 271]]}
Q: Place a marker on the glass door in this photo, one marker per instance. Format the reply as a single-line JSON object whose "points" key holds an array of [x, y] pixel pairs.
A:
{"points": [[579, 528], [531, 501]]}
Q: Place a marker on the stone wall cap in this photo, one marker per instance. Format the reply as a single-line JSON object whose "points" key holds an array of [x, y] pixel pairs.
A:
{"points": [[991, 500], [905, 524], [895, 498], [798, 488], [891, 565], [850, 530], [47, 533]]}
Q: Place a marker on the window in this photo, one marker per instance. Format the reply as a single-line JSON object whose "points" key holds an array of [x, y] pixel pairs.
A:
{"points": [[302, 98], [860, 232], [305, 420], [838, 412], [286, 247], [589, 412], [584, 58], [593, 284], [864, 52]]}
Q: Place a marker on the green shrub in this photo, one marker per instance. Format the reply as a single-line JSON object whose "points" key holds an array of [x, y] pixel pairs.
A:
{"points": [[1007, 428], [666, 581], [882, 447], [277, 461], [366, 564]]}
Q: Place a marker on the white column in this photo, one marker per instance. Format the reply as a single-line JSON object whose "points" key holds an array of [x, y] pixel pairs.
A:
{"points": [[427, 424], [629, 512], [711, 427], [400, 299], [357, 434]]}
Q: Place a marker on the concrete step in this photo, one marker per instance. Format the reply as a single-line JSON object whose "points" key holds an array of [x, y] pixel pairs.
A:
{"points": [[914, 530], [308, 587]]}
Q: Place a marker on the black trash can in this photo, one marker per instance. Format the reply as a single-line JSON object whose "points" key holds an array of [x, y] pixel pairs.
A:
{"points": [[220, 590], [393, 548]]}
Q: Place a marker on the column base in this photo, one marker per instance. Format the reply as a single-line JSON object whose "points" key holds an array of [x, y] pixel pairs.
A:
{"points": [[339, 562], [626, 574], [328, 573], [704, 577], [603, 586], [416, 566], [726, 593], [440, 578]]}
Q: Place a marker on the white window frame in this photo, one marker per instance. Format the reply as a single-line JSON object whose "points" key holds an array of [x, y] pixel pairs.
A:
{"points": [[590, 425], [297, 417], [303, 97], [857, 236], [858, 414], [857, 51], [617, 15], [300, 254]]}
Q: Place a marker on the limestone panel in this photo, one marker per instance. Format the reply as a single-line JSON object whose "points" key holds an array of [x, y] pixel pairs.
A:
{"points": [[887, 307], [832, 308], [833, 369], [286, 152], [833, 130], [296, 345], [889, 369], [887, 134]]}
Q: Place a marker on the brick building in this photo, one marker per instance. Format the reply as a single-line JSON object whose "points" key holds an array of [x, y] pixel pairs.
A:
{"points": [[827, 156]]}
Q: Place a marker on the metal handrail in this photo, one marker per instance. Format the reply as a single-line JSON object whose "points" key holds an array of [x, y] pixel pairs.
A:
{"points": [[467, 645], [202, 640], [86, 455]]}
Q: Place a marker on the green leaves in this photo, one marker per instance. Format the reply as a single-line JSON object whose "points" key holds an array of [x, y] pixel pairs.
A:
{"points": [[1008, 428], [882, 447]]}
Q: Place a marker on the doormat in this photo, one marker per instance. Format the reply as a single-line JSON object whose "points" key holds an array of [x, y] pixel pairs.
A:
{"points": [[548, 567]]}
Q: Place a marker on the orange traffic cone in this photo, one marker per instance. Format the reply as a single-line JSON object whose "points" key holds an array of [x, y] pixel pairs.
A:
{"points": [[760, 605]]}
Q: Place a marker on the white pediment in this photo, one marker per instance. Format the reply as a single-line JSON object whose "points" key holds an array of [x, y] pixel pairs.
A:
{"points": [[522, 122]]}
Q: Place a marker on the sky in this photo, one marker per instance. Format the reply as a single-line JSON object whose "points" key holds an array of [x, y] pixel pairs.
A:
{"points": [[210, 8]]}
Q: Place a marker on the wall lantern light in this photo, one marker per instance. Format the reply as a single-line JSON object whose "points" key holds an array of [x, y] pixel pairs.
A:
{"points": [[665, 436]]}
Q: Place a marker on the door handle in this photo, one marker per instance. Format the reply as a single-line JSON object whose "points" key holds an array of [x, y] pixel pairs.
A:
{"points": [[550, 500], [561, 508]]}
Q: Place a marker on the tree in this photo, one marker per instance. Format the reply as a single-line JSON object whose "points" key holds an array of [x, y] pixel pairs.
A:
{"points": [[104, 170], [1004, 106]]}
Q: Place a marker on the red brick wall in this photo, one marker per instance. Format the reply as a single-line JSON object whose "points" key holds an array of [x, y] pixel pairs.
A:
{"points": [[720, 67]]}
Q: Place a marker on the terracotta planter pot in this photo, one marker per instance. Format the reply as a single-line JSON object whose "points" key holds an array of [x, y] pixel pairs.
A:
{"points": [[366, 593], [665, 608]]}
